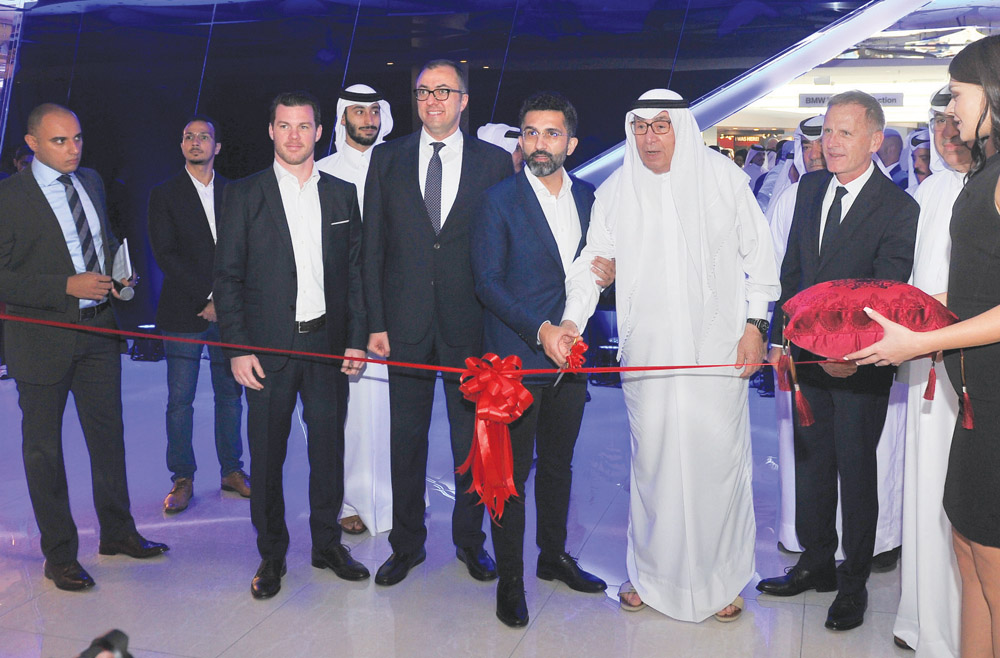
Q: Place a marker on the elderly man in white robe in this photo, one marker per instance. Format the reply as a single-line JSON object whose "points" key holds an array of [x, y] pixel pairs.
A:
{"points": [[364, 120], [695, 272], [930, 587], [888, 533]]}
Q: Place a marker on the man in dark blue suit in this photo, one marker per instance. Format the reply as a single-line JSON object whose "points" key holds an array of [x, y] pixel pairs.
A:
{"points": [[531, 228], [421, 198]]}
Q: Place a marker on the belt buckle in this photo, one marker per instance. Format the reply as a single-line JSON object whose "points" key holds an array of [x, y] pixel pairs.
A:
{"points": [[300, 327]]}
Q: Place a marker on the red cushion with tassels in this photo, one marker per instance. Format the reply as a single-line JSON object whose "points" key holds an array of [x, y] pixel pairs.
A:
{"points": [[829, 318]]}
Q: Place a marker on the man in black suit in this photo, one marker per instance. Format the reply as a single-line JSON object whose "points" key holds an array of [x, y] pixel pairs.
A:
{"points": [[421, 196], [182, 232], [850, 222], [55, 248], [531, 228], [288, 276]]}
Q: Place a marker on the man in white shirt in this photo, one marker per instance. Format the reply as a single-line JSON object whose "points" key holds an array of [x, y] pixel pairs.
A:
{"points": [[182, 232], [288, 277], [364, 121], [529, 232]]}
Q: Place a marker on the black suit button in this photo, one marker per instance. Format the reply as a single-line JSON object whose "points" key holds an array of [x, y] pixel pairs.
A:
{"points": [[291, 306], [432, 282], [437, 245]]}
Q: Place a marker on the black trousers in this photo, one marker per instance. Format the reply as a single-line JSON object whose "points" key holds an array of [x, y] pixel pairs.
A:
{"points": [[550, 426], [95, 379], [841, 442], [323, 389], [411, 396]]}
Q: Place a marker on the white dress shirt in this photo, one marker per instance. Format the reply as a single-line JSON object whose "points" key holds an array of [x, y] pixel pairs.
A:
{"points": [[305, 223], [853, 189], [206, 194], [55, 193], [451, 167], [561, 215]]}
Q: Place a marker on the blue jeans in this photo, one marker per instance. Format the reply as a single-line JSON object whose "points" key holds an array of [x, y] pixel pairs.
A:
{"points": [[183, 361]]}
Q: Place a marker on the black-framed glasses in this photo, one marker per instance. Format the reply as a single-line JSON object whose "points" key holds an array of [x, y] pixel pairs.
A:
{"points": [[441, 93], [659, 127]]}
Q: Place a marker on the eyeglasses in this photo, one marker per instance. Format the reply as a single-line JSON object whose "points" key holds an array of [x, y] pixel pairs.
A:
{"points": [[441, 93], [640, 127], [532, 134]]}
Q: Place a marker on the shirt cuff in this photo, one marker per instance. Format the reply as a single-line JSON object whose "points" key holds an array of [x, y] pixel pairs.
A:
{"points": [[757, 308], [538, 334]]}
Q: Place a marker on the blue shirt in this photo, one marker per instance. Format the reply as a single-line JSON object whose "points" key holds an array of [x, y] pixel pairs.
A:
{"points": [[55, 194]]}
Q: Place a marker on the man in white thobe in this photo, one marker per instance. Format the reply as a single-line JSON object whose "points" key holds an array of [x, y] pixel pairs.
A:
{"points": [[695, 272], [364, 121], [930, 588]]}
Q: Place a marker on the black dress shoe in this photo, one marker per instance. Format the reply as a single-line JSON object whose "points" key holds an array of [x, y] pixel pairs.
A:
{"points": [[70, 576], [798, 580], [847, 611], [267, 581], [563, 567], [479, 563], [397, 566], [511, 608], [338, 558], [134, 546], [886, 561]]}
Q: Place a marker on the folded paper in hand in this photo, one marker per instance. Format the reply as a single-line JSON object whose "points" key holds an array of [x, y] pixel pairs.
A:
{"points": [[122, 271]]}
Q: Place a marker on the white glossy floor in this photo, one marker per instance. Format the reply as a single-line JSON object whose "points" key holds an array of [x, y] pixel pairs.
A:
{"points": [[195, 601]]}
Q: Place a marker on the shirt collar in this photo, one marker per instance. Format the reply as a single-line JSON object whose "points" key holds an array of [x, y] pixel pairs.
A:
{"points": [[44, 174], [282, 174], [539, 187], [452, 141], [854, 187], [197, 183]]}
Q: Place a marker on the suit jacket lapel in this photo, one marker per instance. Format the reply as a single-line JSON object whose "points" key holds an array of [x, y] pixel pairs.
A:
{"points": [[862, 207], [536, 217], [197, 212], [272, 196], [464, 197], [47, 219], [411, 183], [812, 236], [327, 205], [98, 201], [583, 212]]}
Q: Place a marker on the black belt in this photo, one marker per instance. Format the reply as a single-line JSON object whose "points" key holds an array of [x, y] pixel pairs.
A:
{"points": [[310, 326], [91, 312]]}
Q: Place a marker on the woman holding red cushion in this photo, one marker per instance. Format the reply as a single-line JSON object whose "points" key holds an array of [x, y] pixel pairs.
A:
{"points": [[973, 295]]}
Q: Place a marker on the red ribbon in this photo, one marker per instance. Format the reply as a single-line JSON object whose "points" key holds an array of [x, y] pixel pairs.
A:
{"points": [[494, 385], [576, 358]]}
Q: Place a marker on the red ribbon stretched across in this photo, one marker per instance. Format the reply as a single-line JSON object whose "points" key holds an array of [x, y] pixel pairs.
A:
{"points": [[494, 385]]}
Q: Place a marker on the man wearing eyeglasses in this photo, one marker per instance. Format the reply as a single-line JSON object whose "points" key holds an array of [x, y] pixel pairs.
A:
{"points": [[695, 273], [530, 231], [421, 197], [182, 232]]}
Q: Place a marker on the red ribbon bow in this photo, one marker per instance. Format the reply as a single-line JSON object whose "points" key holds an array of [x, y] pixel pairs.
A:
{"points": [[494, 385], [576, 358]]}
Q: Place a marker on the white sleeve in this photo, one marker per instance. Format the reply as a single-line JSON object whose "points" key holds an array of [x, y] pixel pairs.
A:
{"points": [[582, 289], [757, 252]]}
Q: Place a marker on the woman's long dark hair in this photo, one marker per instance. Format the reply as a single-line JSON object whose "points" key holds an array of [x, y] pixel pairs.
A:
{"points": [[979, 64]]}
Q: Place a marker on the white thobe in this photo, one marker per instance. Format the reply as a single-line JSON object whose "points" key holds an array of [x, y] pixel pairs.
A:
{"points": [[930, 588], [367, 476], [888, 454], [691, 526]]}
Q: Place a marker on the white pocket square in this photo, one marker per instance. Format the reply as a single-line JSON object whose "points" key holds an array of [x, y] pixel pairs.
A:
{"points": [[337, 223]]}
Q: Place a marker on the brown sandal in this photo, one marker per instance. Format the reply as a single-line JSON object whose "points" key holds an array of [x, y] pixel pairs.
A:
{"points": [[353, 525], [739, 604]]}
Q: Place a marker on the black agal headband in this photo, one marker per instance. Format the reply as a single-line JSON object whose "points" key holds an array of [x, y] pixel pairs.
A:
{"points": [[359, 97]]}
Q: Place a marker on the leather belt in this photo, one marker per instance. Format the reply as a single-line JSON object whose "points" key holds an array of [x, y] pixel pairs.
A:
{"points": [[310, 326], [91, 312]]}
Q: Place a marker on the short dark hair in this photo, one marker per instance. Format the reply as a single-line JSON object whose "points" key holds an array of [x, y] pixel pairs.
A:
{"points": [[873, 111], [977, 64], [40, 112], [296, 99], [463, 80], [553, 101], [23, 151], [204, 118]]}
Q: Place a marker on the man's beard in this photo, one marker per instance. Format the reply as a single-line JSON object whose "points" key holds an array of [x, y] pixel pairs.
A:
{"points": [[354, 132], [541, 169]]}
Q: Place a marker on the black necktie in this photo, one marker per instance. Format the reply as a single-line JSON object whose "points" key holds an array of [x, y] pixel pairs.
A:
{"points": [[432, 187], [82, 226], [832, 219]]}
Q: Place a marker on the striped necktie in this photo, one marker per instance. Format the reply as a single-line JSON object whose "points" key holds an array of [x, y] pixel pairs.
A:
{"points": [[82, 226]]}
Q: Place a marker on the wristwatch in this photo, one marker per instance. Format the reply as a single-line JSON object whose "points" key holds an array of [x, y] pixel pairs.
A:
{"points": [[762, 325]]}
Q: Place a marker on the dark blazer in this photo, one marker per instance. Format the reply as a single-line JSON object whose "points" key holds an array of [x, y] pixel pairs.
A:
{"points": [[34, 265], [412, 276], [185, 251], [518, 271], [876, 240], [255, 276]]}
